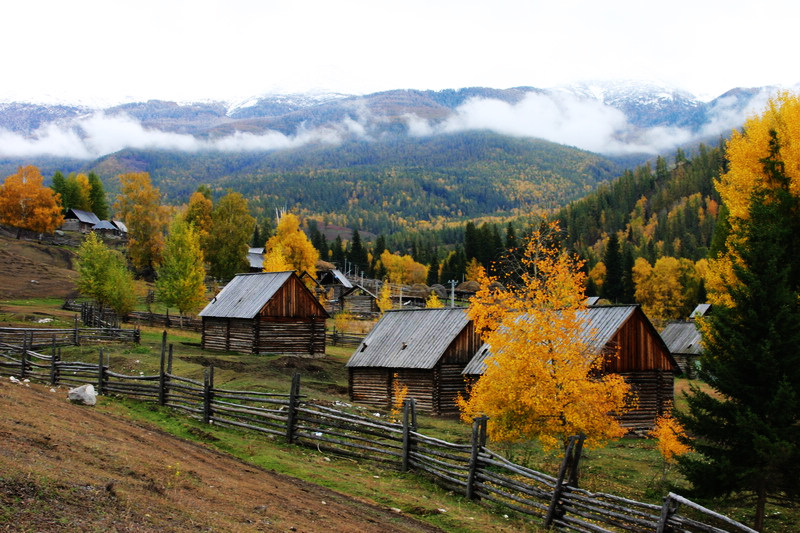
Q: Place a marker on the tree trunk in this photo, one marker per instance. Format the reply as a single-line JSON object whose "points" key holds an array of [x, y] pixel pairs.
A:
{"points": [[761, 503]]}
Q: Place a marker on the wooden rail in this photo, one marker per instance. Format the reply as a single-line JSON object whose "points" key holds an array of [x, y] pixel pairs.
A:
{"points": [[471, 469]]}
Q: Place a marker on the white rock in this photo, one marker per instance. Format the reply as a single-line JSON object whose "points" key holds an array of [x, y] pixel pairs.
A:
{"points": [[12, 379], [84, 394]]}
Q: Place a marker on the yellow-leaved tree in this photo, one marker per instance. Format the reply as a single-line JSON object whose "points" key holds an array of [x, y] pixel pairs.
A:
{"points": [[746, 150], [27, 204], [385, 297], [139, 206], [290, 247], [433, 301], [543, 379], [402, 269]]}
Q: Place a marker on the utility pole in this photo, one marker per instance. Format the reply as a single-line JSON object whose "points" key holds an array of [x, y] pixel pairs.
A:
{"points": [[452, 293]]}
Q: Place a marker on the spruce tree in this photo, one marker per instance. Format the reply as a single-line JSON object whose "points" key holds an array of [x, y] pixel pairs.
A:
{"points": [[612, 285], [747, 432], [97, 197]]}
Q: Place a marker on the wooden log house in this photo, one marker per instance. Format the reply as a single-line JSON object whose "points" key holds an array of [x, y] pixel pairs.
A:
{"points": [[265, 312], [685, 344], [424, 350], [635, 350]]}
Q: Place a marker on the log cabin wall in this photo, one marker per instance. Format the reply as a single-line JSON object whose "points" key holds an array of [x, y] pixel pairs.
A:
{"points": [[449, 380], [654, 397], [370, 386], [291, 335], [228, 334]]}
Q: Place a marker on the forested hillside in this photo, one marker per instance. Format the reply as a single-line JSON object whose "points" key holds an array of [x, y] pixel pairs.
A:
{"points": [[386, 186]]}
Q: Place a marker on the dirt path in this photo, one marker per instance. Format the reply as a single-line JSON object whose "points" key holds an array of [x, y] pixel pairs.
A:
{"points": [[64, 466]]}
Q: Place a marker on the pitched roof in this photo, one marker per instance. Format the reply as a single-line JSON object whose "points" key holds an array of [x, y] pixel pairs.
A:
{"points": [[701, 310], [87, 217], [683, 337], [245, 295], [335, 276], [105, 224], [599, 324], [256, 259], [120, 225], [410, 338]]}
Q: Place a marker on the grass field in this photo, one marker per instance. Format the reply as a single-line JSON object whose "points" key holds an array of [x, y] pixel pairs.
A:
{"points": [[630, 467]]}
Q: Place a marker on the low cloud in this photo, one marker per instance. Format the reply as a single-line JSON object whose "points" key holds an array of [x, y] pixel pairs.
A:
{"points": [[99, 134], [583, 122]]}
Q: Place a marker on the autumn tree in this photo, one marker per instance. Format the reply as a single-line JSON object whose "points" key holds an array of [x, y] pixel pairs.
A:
{"points": [[543, 380], [231, 226], [668, 289], [139, 206], [746, 432], [402, 269], [293, 245], [198, 213], [104, 276], [27, 204], [385, 297], [180, 277], [433, 301]]}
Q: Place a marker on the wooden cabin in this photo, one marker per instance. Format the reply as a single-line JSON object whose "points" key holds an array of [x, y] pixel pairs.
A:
{"points": [[79, 220], [107, 229], [265, 312], [636, 351], [422, 349], [685, 344], [335, 283]]}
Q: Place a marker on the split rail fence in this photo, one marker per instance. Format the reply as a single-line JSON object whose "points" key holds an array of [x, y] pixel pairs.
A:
{"points": [[37, 338], [470, 468]]}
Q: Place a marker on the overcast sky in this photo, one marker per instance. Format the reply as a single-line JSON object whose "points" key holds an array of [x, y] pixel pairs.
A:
{"points": [[111, 51]]}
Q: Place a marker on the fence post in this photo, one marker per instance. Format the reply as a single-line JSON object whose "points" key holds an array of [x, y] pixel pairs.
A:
{"points": [[101, 375], [553, 511], [24, 356], [76, 340], [406, 432], [669, 508], [478, 442], [294, 392], [53, 360], [162, 393], [208, 386]]}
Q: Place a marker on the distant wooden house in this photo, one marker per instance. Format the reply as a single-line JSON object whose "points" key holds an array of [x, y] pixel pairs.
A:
{"points": [[78, 220], [267, 312], [106, 229], [359, 301], [422, 349], [637, 352], [255, 256], [685, 343], [123, 229], [335, 283]]}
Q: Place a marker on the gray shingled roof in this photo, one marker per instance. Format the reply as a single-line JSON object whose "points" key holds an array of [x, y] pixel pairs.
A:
{"points": [[120, 225], [87, 217], [256, 259], [598, 327], [105, 224], [701, 310], [245, 295], [683, 337], [410, 338]]}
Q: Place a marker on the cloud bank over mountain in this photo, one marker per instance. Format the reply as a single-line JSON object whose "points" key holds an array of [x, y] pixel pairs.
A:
{"points": [[593, 122]]}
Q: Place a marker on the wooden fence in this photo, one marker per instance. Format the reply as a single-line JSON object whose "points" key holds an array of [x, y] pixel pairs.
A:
{"points": [[471, 469], [337, 338], [37, 338], [93, 315]]}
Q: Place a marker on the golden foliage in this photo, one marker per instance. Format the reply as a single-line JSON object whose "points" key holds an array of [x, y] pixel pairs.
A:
{"points": [[745, 151], [665, 289], [668, 431], [474, 270], [385, 297], [402, 269], [598, 273], [433, 301], [139, 206], [198, 213], [543, 380], [27, 204], [293, 246], [275, 259], [399, 395]]}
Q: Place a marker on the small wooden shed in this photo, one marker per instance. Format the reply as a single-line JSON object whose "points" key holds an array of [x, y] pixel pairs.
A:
{"points": [[79, 220], [265, 312], [685, 344], [422, 349], [640, 356]]}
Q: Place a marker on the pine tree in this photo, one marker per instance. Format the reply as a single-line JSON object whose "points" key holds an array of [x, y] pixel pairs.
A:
{"points": [[747, 433], [612, 286], [358, 254], [433, 271], [97, 197]]}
